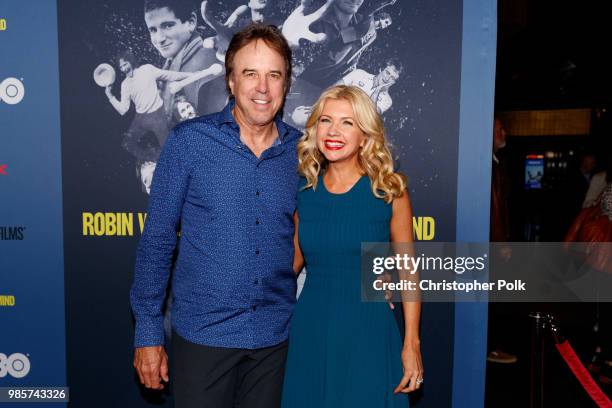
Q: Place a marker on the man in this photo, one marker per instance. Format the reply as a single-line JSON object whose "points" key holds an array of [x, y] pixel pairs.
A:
{"points": [[172, 28], [184, 109], [575, 189], [596, 187], [501, 318], [348, 33], [256, 11], [376, 86], [500, 226], [342, 31], [230, 181], [382, 21], [140, 87]]}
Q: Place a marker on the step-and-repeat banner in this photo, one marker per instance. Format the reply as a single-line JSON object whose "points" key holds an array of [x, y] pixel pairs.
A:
{"points": [[32, 331], [71, 216]]}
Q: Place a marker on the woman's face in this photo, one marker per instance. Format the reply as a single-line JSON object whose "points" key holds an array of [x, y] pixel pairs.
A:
{"points": [[338, 136]]}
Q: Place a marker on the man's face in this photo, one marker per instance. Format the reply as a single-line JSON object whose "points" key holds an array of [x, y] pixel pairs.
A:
{"points": [[348, 6], [125, 67], [588, 163], [383, 23], [186, 110], [499, 135], [168, 33], [257, 83], [389, 75]]}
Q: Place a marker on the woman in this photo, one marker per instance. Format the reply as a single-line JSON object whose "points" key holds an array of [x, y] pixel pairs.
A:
{"points": [[593, 227], [344, 352]]}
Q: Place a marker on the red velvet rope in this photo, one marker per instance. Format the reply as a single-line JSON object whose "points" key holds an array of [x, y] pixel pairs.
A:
{"points": [[581, 373]]}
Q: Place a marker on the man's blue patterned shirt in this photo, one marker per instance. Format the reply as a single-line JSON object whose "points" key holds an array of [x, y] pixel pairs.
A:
{"points": [[233, 280]]}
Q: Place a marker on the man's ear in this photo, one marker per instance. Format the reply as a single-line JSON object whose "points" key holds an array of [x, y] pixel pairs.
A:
{"points": [[193, 21], [230, 83]]}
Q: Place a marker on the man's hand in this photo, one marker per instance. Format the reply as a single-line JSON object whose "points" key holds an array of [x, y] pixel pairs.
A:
{"points": [[231, 20], [297, 25], [107, 91], [300, 115], [151, 364], [209, 73], [175, 87], [224, 34]]}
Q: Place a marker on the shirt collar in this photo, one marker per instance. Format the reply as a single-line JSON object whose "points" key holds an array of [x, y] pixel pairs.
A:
{"points": [[226, 117]]}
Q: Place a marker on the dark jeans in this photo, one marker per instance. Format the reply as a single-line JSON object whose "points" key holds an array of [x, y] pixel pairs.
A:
{"points": [[142, 124], [217, 377]]}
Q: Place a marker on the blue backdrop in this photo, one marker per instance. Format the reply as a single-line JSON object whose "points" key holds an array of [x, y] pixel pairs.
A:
{"points": [[31, 240], [439, 119]]}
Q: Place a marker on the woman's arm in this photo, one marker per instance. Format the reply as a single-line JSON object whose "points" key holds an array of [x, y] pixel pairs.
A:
{"points": [[401, 233], [298, 258]]}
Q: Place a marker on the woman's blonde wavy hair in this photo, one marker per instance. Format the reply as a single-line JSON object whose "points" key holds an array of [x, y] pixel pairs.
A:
{"points": [[374, 157]]}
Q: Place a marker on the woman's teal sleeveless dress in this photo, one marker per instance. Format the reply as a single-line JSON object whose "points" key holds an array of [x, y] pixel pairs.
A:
{"points": [[342, 352]]}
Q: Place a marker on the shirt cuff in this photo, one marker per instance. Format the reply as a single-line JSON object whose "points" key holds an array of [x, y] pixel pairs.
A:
{"points": [[149, 334]]}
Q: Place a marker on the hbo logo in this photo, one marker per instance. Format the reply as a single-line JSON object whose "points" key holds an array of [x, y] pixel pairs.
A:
{"points": [[16, 365], [12, 91]]}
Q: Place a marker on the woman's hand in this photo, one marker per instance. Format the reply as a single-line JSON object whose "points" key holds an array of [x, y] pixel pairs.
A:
{"points": [[413, 368]]}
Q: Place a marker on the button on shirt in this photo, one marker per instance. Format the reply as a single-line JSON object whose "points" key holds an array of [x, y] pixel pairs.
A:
{"points": [[233, 280]]}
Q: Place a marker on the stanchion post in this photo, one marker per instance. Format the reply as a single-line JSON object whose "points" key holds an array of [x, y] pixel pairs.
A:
{"points": [[536, 394], [555, 330]]}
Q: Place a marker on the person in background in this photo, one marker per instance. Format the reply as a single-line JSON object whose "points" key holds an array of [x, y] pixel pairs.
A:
{"points": [[172, 29], [349, 28], [185, 109], [376, 86], [500, 224], [597, 185], [603, 351], [255, 11], [593, 228], [140, 88], [499, 313], [578, 183]]}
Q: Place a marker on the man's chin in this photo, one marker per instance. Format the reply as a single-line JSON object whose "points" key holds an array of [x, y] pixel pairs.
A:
{"points": [[349, 9], [264, 121], [165, 54]]}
